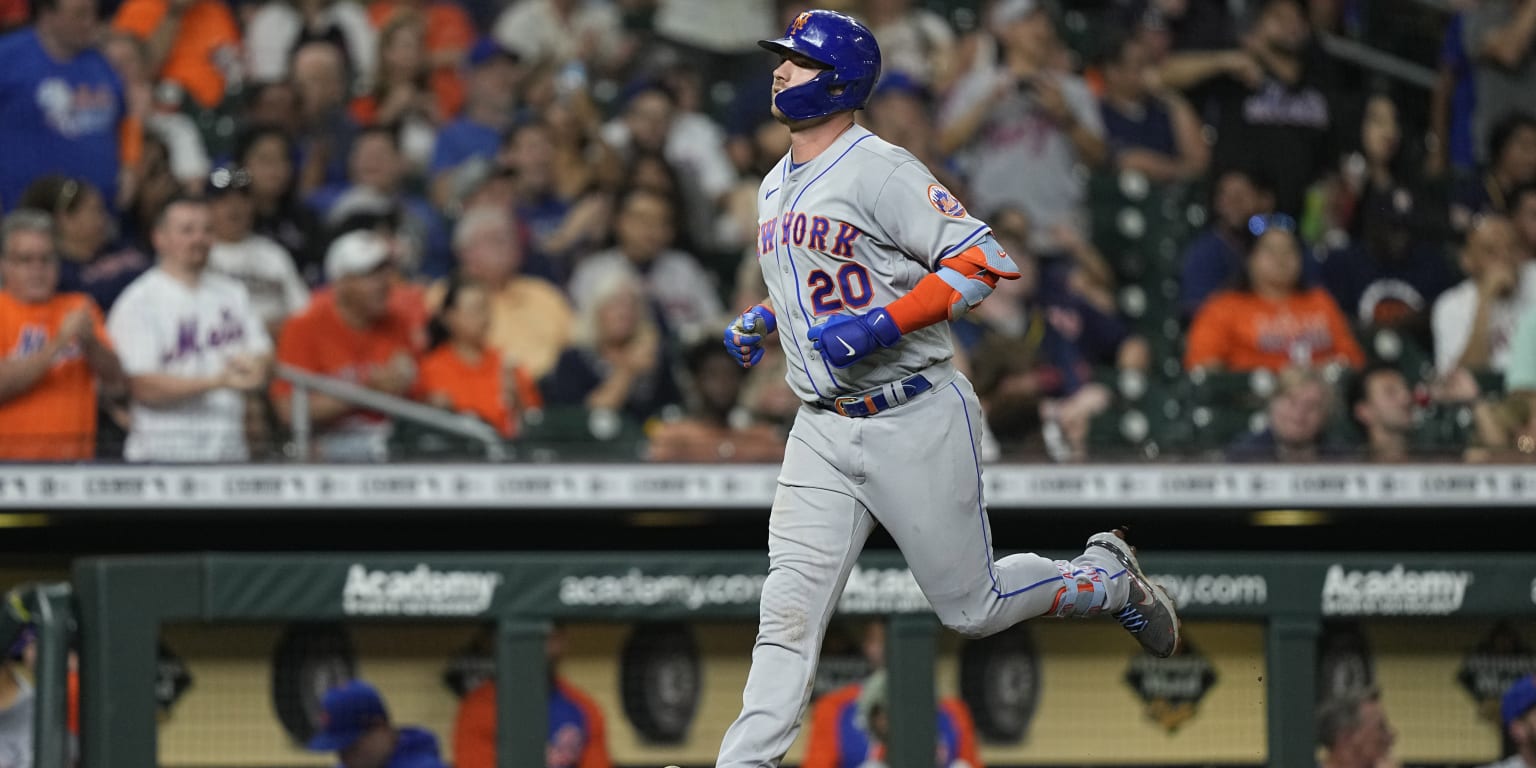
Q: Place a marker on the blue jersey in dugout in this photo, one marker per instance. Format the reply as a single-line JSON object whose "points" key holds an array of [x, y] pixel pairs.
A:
{"points": [[59, 117]]}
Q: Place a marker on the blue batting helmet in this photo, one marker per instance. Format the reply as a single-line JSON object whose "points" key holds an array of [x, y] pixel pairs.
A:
{"points": [[848, 50]]}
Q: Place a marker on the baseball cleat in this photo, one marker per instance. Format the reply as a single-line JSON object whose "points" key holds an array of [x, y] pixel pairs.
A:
{"points": [[1149, 612]]}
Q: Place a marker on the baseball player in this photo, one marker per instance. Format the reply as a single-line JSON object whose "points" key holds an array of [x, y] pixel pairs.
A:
{"points": [[866, 257]]}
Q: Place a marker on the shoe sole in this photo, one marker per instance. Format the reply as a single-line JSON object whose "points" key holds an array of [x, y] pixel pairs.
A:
{"points": [[1122, 550]]}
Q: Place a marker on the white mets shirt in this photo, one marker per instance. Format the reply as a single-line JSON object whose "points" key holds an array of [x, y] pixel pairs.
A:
{"points": [[161, 325]]}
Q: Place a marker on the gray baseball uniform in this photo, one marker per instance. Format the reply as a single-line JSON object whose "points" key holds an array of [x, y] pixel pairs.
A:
{"points": [[850, 231]]}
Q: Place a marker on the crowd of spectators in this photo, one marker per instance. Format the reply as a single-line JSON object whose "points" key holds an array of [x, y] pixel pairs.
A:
{"points": [[529, 209]]}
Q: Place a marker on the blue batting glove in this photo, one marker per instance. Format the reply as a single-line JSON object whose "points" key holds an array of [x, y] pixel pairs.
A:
{"points": [[744, 336], [847, 339]]}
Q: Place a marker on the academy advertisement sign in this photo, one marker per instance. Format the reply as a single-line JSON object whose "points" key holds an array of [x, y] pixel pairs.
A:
{"points": [[637, 588], [421, 591], [1214, 589], [1395, 591], [869, 590]]}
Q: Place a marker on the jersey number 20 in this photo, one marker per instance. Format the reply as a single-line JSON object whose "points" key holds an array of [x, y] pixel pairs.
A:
{"points": [[851, 289]]}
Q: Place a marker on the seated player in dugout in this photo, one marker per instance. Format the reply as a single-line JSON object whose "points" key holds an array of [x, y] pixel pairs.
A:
{"points": [[578, 736], [355, 724], [850, 725]]}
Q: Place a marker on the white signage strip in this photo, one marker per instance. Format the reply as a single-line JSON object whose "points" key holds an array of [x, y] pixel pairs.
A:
{"points": [[673, 486]]}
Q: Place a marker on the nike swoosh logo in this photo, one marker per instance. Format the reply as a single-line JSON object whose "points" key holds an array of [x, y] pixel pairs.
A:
{"points": [[848, 347], [878, 318], [770, 193]]}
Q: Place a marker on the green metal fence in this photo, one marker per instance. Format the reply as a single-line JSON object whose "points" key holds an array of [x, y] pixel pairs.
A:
{"points": [[121, 602]]}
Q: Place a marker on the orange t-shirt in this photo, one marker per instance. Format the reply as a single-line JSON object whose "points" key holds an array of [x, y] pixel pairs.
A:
{"points": [[1240, 331], [474, 729], [449, 28], [55, 420], [318, 340], [206, 27], [477, 388]]}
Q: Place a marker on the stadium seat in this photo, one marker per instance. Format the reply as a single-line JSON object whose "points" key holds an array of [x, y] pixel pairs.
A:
{"points": [[1148, 426], [412, 441], [575, 434]]}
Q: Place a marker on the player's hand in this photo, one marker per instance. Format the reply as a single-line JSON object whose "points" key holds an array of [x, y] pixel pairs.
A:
{"points": [[847, 339], [744, 336]]}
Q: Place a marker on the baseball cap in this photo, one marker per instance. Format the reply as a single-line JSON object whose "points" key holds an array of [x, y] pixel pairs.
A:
{"points": [[355, 253], [1518, 700], [1009, 11], [486, 48], [348, 711]]}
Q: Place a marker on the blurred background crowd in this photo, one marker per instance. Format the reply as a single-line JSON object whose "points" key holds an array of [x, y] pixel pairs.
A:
{"points": [[1266, 230]]}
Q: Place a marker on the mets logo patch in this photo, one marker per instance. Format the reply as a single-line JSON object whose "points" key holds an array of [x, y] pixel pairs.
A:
{"points": [[944, 202]]}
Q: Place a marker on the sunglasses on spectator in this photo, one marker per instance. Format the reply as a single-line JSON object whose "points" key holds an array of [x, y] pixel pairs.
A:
{"points": [[1264, 222]]}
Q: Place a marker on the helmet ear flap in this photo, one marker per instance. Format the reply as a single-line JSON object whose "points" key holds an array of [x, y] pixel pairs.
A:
{"points": [[848, 50]]}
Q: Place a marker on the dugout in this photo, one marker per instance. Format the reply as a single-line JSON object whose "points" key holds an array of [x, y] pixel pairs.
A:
{"points": [[1284, 605]]}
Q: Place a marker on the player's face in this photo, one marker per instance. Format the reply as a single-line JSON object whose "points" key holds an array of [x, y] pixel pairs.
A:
{"points": [[184, 237], [29, 268], [1522, 730], [372, 750], [794, 70]]}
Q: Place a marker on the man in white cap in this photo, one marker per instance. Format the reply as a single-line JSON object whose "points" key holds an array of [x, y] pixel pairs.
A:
{"points": [[350, 333]]}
